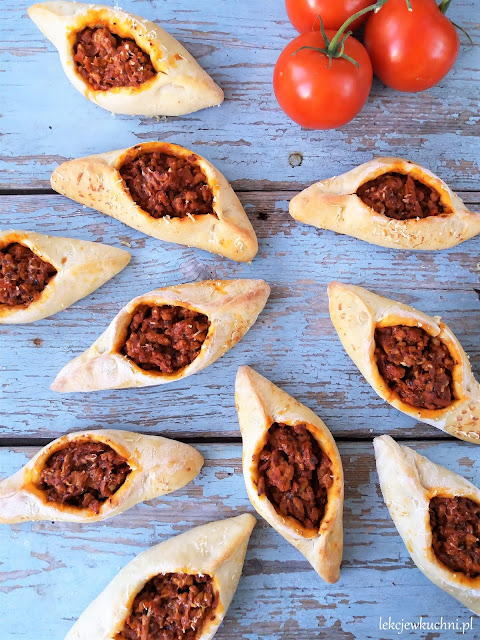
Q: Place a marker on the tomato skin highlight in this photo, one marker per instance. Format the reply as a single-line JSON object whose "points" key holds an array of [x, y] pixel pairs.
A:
{"points": [[315, 95], [411, 50], [303, 14]]}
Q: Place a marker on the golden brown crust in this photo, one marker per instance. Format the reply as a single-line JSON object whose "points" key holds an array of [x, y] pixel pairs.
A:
{"points": [[333, 204], [180, 86], [81, 268], [216, 549], [356, 312], [259, 404], [232, 306], [96, 182], [408, 482], [158, 466]]}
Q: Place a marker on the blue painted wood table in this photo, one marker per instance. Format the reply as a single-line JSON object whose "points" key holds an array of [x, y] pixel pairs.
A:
{"points": [[50, 572]]}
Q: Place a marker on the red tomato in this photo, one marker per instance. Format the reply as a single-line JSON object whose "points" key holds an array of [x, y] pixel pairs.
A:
{"points": [[303, 14], [411, 50], [316, 95]]}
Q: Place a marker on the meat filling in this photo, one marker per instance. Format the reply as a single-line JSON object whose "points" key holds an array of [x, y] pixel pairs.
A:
{"points": [[105, 60], [166, 338], [165, 185], [23, 275], [83, 475], [416, 365], [455, 524], [401, 197], [295, 474], [171, 606]]}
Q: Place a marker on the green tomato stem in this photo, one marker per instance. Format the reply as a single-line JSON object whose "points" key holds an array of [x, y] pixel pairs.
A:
{"points": [[443, 6], [332, 46], [335, 48]]}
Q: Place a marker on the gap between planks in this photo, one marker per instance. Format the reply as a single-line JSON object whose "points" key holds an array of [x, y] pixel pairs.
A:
{"points": [[472, 196], [6, 443]]}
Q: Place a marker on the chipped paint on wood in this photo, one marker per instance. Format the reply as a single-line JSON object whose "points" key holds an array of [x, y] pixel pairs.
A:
{"points": [[279, 595], [293, 342], [45, 120]]}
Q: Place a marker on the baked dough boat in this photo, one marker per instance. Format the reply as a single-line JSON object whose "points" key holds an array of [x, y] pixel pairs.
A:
{"points": [[412, 487], [74, 268], [229, 307], [175, 84], [357, 314], [97, 182], [334, 204], [157, 466], [213, 553], [262, 407]]}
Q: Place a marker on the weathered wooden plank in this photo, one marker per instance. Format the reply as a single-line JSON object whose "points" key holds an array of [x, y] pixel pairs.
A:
{"points": [[45, 120], [52, 571], [293, 342]]}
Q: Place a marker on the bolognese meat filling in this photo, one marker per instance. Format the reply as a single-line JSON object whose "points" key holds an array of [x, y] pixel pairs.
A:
{"points": [[295, 474], [399, 196], [164, 185], [171, 606], [83, 475], [455, 524], [415, 365], [23, 275], [165, 338], [105, 60]]}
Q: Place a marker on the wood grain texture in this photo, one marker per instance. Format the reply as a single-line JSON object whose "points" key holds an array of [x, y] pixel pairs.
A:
{"points": [[279, 596], [50, 572], [45, 120], [293, 342]]}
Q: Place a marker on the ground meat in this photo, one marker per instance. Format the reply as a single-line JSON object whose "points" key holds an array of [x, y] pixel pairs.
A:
{"points": [[401, 197], [455, 526], [165, 338], [164, 185], [171, 606], [295, 474], [23, 275], [105, 60], [83, 475], [416, 365]]}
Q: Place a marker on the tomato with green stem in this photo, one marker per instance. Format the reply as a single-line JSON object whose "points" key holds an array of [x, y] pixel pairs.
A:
{"points": [[322, 78], [303, 14], [411, 43]]}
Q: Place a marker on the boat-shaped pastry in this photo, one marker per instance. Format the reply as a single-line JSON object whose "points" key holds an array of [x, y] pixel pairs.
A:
{"points": [[412, 361], [41, 275], [437, 514], [165, 191], [166, 335], [124, 63], [292, 471], [93, 475], [180, 588], [389, 202]]}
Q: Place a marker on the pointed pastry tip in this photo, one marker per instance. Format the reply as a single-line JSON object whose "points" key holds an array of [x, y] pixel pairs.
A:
{"points": [[43, 14], [335, 287], [246, 520], [382, 444], [244, 373]]}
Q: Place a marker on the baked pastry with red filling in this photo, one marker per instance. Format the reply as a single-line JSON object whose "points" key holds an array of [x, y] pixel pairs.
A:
{"points": [[179, 589], [89, 476], [413, 361], [292, 471], [124, 63], [166, 335], [390, 202], [165, 191], [437, 514], [41, 275]]}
